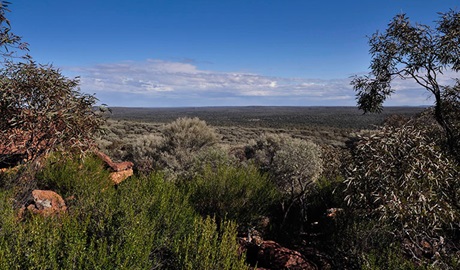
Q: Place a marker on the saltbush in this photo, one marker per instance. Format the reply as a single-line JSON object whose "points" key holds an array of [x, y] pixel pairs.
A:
{"points": [[292, 163], [184, 138], [188, 133], [144, 152]]}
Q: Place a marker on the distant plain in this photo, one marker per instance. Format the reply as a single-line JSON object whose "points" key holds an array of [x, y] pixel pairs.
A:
{"points": [[238, 125], [267, 117]]}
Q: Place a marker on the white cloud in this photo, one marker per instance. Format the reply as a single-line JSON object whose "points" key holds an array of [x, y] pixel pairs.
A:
{"points": [[165, 80]]}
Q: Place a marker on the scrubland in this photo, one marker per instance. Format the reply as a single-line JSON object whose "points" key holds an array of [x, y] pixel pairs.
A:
{"points": [[347, 191]]}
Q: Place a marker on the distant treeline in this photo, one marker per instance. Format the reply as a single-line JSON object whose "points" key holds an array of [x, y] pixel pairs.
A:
{"points": [[269, 117]]}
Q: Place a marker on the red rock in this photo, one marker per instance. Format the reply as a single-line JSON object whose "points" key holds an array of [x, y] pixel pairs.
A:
{"points": [[118, 177], [279, 257], [123, 166], [271, 255], [120, 171], [46, 203], [116, 167]]}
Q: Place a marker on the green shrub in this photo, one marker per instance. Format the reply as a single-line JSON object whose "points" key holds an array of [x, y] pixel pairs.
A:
{"points": [[213, 157], [294, 165], [69, 175], [238, 193], [389, 258], [144, 152], [183, 139], [145, 223], [210, 248]]}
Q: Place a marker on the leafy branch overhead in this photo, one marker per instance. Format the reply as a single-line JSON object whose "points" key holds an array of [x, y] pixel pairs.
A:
{"points": [[414, 51], [9, 41]]}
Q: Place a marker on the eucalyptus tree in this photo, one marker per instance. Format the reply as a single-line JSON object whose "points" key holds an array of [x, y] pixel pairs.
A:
{"points": [[419, 52], [40, 109]]}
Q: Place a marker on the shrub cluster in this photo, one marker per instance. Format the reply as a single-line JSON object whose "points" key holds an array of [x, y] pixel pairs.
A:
{"points": [[146, 223], [292, 163], [401, 177], [238, 193], [172, 147]]}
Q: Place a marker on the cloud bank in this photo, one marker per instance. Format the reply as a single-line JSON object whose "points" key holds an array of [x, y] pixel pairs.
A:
{"points": [[159, 83]]}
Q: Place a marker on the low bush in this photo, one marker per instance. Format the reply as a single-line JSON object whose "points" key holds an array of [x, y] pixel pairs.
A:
{"points": [[145, 223], [184, 138], [209, 247], [294, 165], [171, 147], [144, 152], [188, 133], [238, 193]]}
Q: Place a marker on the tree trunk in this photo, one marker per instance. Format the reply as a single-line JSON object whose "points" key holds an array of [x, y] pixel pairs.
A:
{"points": [[439, 116]]}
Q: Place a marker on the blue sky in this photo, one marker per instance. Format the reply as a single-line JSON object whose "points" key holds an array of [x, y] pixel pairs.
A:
{"points": [[163, 53]]}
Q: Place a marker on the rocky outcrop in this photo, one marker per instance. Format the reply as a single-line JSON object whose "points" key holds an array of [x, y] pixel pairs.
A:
{"points": [[120, 170], [271, 255], [44, 202]]}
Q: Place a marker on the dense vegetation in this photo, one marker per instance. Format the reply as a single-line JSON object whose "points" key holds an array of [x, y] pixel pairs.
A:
{"points": [[394, 188], [147, 223], [387, 197]]}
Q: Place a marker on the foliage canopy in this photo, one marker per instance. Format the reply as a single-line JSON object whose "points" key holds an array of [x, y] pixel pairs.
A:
{"points": [[41, 109], [400, 176], [418, 52]]}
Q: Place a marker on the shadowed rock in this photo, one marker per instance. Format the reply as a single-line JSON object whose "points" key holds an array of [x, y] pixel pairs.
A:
{"points": [[271, 255]]}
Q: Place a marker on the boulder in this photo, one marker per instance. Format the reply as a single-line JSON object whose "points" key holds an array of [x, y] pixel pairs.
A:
{"points": [[120, 170], [114, 166], [46, 203], [271, 255], [118, 177]]}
